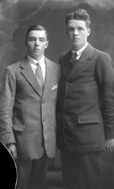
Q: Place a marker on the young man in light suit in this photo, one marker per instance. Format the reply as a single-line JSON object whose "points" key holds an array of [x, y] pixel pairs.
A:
{"points": [[27, 111], [85, 107]]}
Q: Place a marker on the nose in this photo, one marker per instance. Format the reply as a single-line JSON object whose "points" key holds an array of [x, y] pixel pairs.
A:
{"points": [[37, 42], [75, 31]]}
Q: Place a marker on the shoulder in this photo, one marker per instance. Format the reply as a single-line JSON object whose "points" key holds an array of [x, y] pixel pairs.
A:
{"points": [[64, 57], [14, 67], [64, 54], [103, 59], [101, 54]]}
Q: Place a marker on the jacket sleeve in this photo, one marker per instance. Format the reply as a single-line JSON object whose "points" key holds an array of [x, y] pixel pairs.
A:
{"points": [[6, 107], [105, 79]]}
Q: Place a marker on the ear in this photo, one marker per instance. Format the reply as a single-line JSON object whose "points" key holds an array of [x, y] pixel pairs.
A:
{"points": [[89, 31], [47, 43]]}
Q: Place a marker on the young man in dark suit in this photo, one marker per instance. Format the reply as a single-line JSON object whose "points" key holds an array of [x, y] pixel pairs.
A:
{"points": [[27, 110], [85, 106]]}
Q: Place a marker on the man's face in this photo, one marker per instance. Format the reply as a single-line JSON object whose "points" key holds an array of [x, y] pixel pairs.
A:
{"points": [[36, 43], [78, 33]]}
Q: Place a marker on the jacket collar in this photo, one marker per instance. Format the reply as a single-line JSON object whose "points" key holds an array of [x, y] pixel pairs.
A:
{"points": [[86, 55], [27, 72]]}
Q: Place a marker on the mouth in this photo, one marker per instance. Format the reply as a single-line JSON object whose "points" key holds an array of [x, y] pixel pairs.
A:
{"points": [[76, 39], [36, 49]]}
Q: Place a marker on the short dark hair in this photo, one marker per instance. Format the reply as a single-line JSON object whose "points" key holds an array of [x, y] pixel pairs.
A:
{"points": [[35, 27], [79, 14]]}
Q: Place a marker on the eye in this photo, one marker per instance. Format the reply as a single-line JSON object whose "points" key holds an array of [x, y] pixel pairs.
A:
{"points": [[70, 29], [80, 28], [31, 39], [42, 39]]}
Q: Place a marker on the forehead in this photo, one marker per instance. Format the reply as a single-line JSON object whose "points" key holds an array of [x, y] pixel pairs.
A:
{"points": [[76, 23], [37, 34]]}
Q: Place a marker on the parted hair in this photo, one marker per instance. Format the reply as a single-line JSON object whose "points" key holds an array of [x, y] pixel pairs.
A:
{"points": [[35, 27], [79, 14]]}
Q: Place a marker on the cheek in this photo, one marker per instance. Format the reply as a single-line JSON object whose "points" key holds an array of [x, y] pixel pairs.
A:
{"points": [[70, 36], [30, 46], [84, 37], [43, 47]]}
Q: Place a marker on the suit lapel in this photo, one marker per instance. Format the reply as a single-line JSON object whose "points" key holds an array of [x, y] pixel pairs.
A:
{"points": [[49, 77], [27, 72], [83, 60]]}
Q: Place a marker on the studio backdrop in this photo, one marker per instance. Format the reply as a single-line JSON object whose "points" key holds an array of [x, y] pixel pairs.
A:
{"points": [[17, 15]]}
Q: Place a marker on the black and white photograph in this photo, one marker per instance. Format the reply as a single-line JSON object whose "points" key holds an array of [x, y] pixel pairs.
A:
{"points": [[57, 94]]}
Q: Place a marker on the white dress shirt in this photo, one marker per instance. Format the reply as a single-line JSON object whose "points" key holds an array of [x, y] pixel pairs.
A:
{"points": [[33, 63], [79, 52]]}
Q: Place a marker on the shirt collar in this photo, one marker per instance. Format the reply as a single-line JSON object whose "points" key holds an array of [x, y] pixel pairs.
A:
{"points": [[79, 52], [34, 61]]}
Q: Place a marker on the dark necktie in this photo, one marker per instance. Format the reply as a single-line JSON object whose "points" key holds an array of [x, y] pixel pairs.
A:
{"points": [[73, 60], [39, 76]]}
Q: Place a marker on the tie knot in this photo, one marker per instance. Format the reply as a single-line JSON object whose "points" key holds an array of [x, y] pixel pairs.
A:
{"points": [[37, 64], [75, 55], [38, 67]]}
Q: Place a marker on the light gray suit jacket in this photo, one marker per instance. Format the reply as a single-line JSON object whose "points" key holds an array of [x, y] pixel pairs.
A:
{"points": [[27, 118]]}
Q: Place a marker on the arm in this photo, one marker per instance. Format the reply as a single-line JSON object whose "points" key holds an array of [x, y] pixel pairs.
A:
{"points": [[109, 146], [105, 73], [12, 149], [6, 109]]}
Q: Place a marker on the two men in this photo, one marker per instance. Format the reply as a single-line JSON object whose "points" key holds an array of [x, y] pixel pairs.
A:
{"points": [[85, 106], [85, 109], [27, 110]]}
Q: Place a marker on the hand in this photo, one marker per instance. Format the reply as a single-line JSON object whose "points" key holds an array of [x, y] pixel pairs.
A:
{"points": [[12, 149], [109, 146]]}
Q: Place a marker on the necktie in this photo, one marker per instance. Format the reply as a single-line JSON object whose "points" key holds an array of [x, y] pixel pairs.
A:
{"points": [[39, 76], [73, 60]]}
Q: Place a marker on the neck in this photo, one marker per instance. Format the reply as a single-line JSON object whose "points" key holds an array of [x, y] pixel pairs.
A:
{"points": [[77, 48], [37, 57]]}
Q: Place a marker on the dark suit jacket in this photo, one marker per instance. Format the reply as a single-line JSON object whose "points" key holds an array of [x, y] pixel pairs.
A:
{"points": [[85, 107], [26, 117]]}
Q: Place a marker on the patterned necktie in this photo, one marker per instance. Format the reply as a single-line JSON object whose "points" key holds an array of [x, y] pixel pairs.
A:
{"points": [[73, 60], [39, 76]]}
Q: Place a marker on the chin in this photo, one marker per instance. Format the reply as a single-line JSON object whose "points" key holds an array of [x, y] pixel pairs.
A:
{"points": [[36, 55], [77, 46]]}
